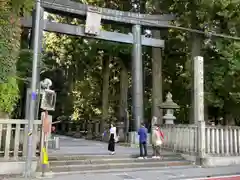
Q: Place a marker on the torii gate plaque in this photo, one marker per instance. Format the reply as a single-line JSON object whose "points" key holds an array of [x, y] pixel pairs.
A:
{"points": [[93, 30]]}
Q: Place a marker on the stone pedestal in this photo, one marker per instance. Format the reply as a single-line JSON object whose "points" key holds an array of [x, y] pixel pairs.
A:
{"points": [[169, 117], [77, 133]]}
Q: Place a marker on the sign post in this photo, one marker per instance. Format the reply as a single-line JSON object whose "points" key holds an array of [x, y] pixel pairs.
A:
{"points": [[45, 132], [31, 116], [47, 104]]}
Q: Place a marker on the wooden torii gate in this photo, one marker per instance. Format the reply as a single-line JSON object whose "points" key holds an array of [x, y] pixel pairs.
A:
{"points": [[94, 16]]}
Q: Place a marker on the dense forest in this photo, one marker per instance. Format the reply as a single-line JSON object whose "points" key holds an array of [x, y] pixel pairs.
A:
{"points": [[92, 78]]}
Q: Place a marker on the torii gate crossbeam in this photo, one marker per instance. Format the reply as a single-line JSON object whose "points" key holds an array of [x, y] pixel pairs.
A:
{"points": [[80, 31], [70, 7]]}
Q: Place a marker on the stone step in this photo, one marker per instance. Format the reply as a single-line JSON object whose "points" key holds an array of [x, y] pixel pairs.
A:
{"points": [[118, 165], [59, 157], [110, 160], [118, 171]]}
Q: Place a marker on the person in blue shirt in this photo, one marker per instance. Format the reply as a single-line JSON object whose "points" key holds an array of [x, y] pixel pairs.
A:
{"points": [[142, 133]]}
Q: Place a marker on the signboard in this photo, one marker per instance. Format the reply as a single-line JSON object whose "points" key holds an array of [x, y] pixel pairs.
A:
{"points": [[93, 22], [47, 124], [48, 100]]}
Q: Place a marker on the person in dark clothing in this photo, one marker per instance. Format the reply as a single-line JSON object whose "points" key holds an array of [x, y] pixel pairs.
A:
{"points": [[142, 133], [112, 139]]}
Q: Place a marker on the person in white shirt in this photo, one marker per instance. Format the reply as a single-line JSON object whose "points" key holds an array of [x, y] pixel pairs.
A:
{"points": [[112, 137]]}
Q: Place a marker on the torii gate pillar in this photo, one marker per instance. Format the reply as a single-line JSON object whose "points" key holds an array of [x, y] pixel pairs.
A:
{"points": [[137, 77]]}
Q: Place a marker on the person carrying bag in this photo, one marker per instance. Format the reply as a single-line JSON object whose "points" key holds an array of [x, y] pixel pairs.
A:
{"points": [[157, 141]]}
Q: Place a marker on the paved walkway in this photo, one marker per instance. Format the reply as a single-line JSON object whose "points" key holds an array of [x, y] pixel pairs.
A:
{"points": [[74, 146]]}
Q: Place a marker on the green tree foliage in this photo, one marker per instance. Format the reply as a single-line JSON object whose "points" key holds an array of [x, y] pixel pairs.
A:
{"points": [[221, 55], [8, 95], [10, 31]]}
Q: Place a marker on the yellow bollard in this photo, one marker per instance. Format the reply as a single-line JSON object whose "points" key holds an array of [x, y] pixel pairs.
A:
{"points": [[45, 156], [44, 160]]}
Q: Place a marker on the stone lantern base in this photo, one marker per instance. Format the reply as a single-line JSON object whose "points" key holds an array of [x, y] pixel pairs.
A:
{"points": [[169, 121], [169, 118]]}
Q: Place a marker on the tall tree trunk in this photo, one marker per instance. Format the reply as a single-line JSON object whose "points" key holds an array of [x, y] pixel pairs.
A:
{"points": [[123, 97], [196, 46], [105, 91], [157, 72], [195, 51], [157, 80]]}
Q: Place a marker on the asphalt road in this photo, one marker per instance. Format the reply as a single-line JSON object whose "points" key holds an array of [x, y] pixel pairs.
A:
{"points": [[166, 173]]}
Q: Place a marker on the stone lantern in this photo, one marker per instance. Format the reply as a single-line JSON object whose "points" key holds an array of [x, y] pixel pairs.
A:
{"points": [[170, 106]]}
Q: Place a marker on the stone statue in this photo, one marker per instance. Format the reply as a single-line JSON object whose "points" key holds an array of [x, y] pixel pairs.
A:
{"points": [[169, 97]]}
